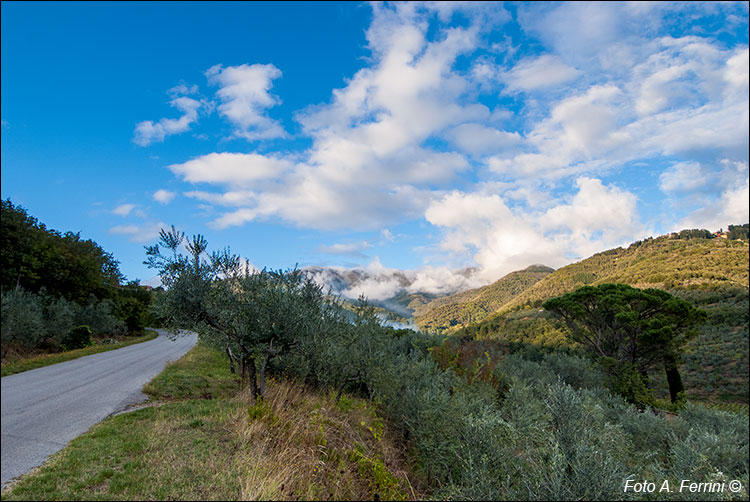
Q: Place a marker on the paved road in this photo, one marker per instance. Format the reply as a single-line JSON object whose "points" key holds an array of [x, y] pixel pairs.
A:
{"points": [[45, 408]]}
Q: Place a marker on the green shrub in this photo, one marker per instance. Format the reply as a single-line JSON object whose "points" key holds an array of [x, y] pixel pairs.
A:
{"points": [[22, 319], [77, 338], [99, 316]]}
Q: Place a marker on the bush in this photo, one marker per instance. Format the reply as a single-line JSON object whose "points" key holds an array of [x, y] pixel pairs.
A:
{"points": [[59, 318], [22, 320], [77, 338], [99, 316]]}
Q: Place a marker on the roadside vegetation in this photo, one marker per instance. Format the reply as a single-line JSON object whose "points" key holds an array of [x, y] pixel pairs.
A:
{"points": [[99, 345], [52, 283]]}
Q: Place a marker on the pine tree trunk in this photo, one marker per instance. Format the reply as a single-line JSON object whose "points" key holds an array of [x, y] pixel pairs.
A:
{"points": [[673, 377]]}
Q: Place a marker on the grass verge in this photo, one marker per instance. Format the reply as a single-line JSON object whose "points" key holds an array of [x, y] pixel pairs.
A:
{"points": [[208, 440], [31, 363]]}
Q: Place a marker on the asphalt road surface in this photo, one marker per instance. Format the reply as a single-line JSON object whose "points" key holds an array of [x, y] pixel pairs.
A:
{"points": [[45, 408]]}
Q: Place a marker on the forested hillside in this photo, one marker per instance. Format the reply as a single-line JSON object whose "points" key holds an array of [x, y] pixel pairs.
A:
{"points": [[53, 281], [450, 313], [666, 262]]}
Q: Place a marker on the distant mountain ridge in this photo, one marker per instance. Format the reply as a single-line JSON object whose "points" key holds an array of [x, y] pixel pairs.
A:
{"points": [[400, 291]]}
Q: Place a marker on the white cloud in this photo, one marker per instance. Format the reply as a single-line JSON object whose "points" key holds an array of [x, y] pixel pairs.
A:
{"points": [[127, 209], [375, 288], [163, 196], [478, 139], [148, 131], [731, 208], [617, 93], [597, 217], [230, 168], [442, 280], [182, 89], [682, 177], [378, 282], [738, 68], [243, 91], [237, 218], [349, 248], [368, 165], [501, 240], [543, 72], [387, 235], [681, 100], [233, 198], [123, 209], [139, 233]]}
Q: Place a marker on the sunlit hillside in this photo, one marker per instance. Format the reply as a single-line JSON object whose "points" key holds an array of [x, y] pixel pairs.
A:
{"points": [[450, 313]]}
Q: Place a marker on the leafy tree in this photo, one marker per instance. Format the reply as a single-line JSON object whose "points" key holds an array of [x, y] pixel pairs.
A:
{"points": [[99, 316], [132, 304], [695, 233], [739, 231], [639, 328], [32, 257]]}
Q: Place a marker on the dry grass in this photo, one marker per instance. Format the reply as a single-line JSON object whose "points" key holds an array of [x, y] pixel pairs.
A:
{"points": [[296, 445], [306, 446]]}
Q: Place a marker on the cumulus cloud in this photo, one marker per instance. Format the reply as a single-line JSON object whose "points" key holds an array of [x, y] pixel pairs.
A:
{"points": [[368, 164], [163, 196], [239, 169], [501, 240], [478, 139], [244, 95], [148, 131], [731, 208]]}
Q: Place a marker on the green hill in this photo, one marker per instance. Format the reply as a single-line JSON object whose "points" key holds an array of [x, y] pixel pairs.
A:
{"points": [[452, 312], [712, 274], [665, 262]]}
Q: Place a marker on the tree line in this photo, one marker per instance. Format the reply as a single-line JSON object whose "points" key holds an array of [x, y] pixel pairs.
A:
{"points": [[52, 282]]}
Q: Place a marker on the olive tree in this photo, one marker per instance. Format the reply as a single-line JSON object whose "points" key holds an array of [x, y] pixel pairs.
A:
{"points": [[253, 315]]}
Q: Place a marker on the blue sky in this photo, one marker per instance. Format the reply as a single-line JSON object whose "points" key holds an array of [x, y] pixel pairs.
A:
{"points": [[419, 136]]}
